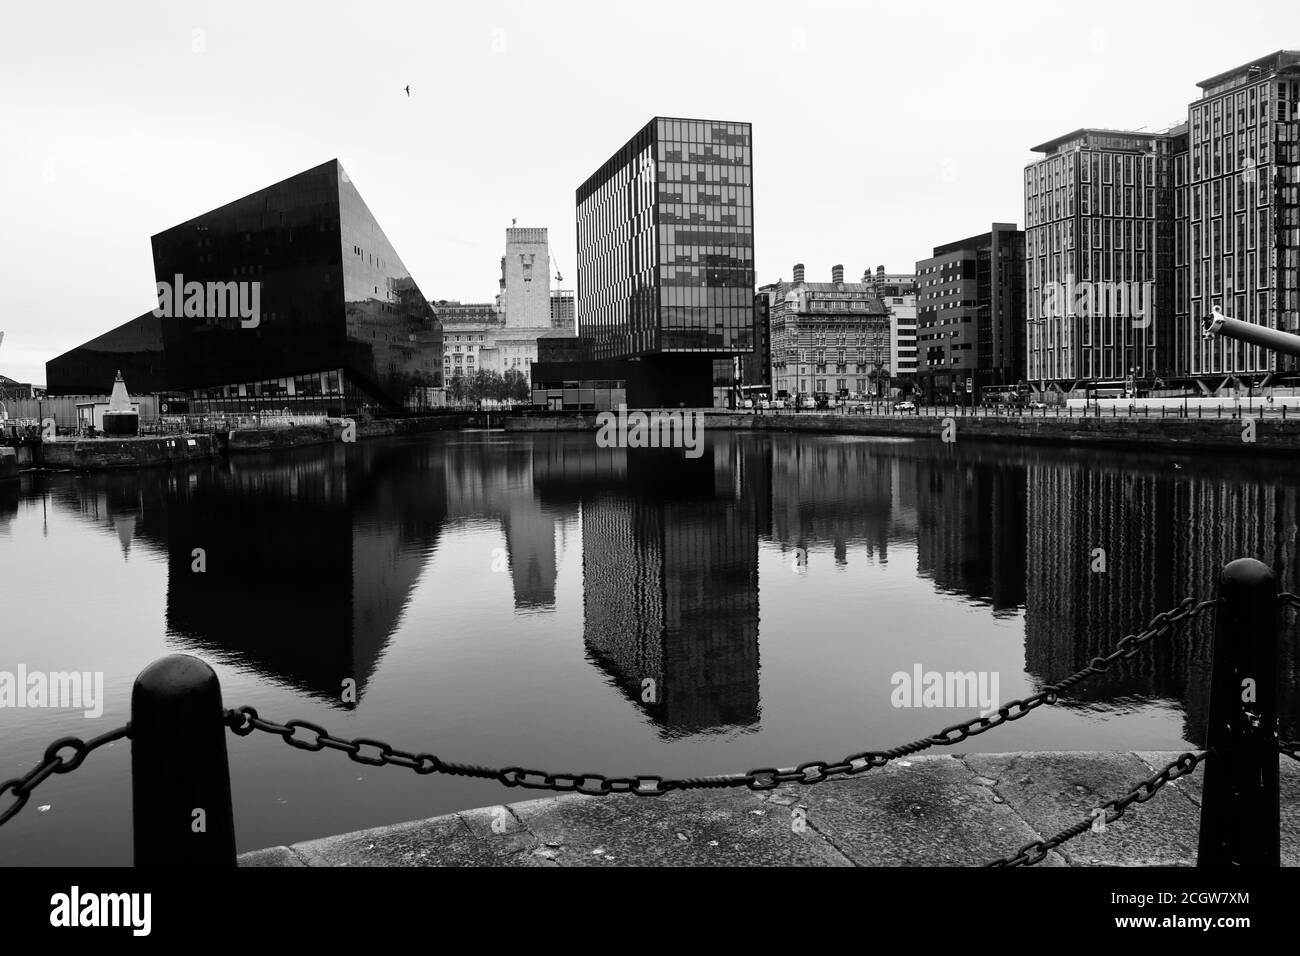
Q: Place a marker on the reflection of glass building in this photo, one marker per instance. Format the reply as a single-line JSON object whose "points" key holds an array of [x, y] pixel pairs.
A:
{"points": [[666, 258], [670, 590], [340, 322], [310, 555]]}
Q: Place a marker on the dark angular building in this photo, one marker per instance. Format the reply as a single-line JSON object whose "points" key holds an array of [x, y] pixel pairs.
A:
{"points": [[339, 323], [666, 260]]}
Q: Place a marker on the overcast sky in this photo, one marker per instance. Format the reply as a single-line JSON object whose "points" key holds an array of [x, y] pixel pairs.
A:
{"points": [[881, 129]]}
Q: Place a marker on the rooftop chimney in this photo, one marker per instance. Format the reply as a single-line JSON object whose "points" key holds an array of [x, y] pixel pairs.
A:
{"points": [[798, 273], [837, 274]]}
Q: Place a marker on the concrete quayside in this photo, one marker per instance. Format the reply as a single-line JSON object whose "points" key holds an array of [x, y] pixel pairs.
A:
{"points": [[942, 810]]}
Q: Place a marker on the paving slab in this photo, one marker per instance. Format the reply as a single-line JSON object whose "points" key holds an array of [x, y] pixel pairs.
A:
{"points": [[1053, 791], [440, 841], [272, 856], [698, 828], [923, 811]]}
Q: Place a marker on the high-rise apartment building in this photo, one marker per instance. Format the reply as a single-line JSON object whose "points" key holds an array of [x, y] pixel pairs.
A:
{"points": [[1133, 238], [970, 315], [1099, 267], [1243, 210]]}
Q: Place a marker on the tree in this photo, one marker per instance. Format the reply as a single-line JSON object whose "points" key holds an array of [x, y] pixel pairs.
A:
{"points": [[516, 386], [457, 387], [485, 384]]}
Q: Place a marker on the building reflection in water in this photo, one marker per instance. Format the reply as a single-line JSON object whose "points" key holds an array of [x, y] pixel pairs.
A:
{"points": [[312, 555]]}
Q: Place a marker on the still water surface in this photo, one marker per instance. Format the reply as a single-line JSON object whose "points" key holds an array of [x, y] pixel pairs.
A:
{"points": [[540, 602]]}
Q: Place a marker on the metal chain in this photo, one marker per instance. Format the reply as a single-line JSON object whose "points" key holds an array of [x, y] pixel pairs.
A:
{"points": [[1037, 851], [53, 762], [244, 720]]}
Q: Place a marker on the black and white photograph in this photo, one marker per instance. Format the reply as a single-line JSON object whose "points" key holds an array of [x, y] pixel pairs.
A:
{"points": [[780, 438]]}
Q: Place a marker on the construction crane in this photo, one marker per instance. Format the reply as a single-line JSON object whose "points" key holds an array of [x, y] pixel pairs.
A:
{"points": [[558, 277]]}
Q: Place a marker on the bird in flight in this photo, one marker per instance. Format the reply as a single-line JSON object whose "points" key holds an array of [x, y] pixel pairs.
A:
{"points": [[408, 89]]}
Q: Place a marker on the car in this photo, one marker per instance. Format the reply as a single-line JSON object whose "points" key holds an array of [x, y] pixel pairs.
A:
{"points": [[747, 403], [1036, 404], [905, 406], [764, 403]]}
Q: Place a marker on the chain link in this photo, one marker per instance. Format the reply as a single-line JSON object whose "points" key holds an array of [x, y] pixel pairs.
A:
{"points": [[376, 753], [244, 720], [1037, 851], [51, 763]]}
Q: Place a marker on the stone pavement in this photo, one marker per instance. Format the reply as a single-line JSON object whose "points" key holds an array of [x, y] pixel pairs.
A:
{"points": [[962, 810]]}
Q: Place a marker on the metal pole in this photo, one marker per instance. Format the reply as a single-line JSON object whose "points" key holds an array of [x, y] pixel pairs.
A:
{"points": [[180, 778], [1240, 811]]}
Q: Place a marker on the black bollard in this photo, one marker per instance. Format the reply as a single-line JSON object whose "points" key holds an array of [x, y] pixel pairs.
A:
{"points": [[179, 772], [1240, 811]]}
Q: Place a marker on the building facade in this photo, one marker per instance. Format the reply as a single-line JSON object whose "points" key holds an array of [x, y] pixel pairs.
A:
{"points": [[564, 311], [828, 338], [897, 291], [666, 254], [1099, 248], [1133, 238], [502, 336], [970, 315], [337, 323], [1243, 211]]}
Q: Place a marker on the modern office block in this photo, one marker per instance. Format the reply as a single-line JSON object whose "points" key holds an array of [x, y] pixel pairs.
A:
{"points": [[666, 253]]}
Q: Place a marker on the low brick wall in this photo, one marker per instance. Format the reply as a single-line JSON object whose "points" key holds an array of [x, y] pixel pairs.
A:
{"points": [[103, 454]]}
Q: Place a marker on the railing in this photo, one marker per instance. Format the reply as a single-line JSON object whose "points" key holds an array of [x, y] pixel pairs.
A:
{"points": [[1218, 411], [180, 767]]}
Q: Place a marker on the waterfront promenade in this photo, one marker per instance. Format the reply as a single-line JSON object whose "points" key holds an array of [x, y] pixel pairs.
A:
{"points": [[947, 810]]}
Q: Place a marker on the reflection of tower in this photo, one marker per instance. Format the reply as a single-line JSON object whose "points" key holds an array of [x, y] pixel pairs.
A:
{"points": [[530, 541], [497, 481], [671, 593]]}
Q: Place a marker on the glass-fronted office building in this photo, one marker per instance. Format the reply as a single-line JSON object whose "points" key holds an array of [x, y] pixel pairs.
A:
{"points": [[666, 250], [328, 318]]}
